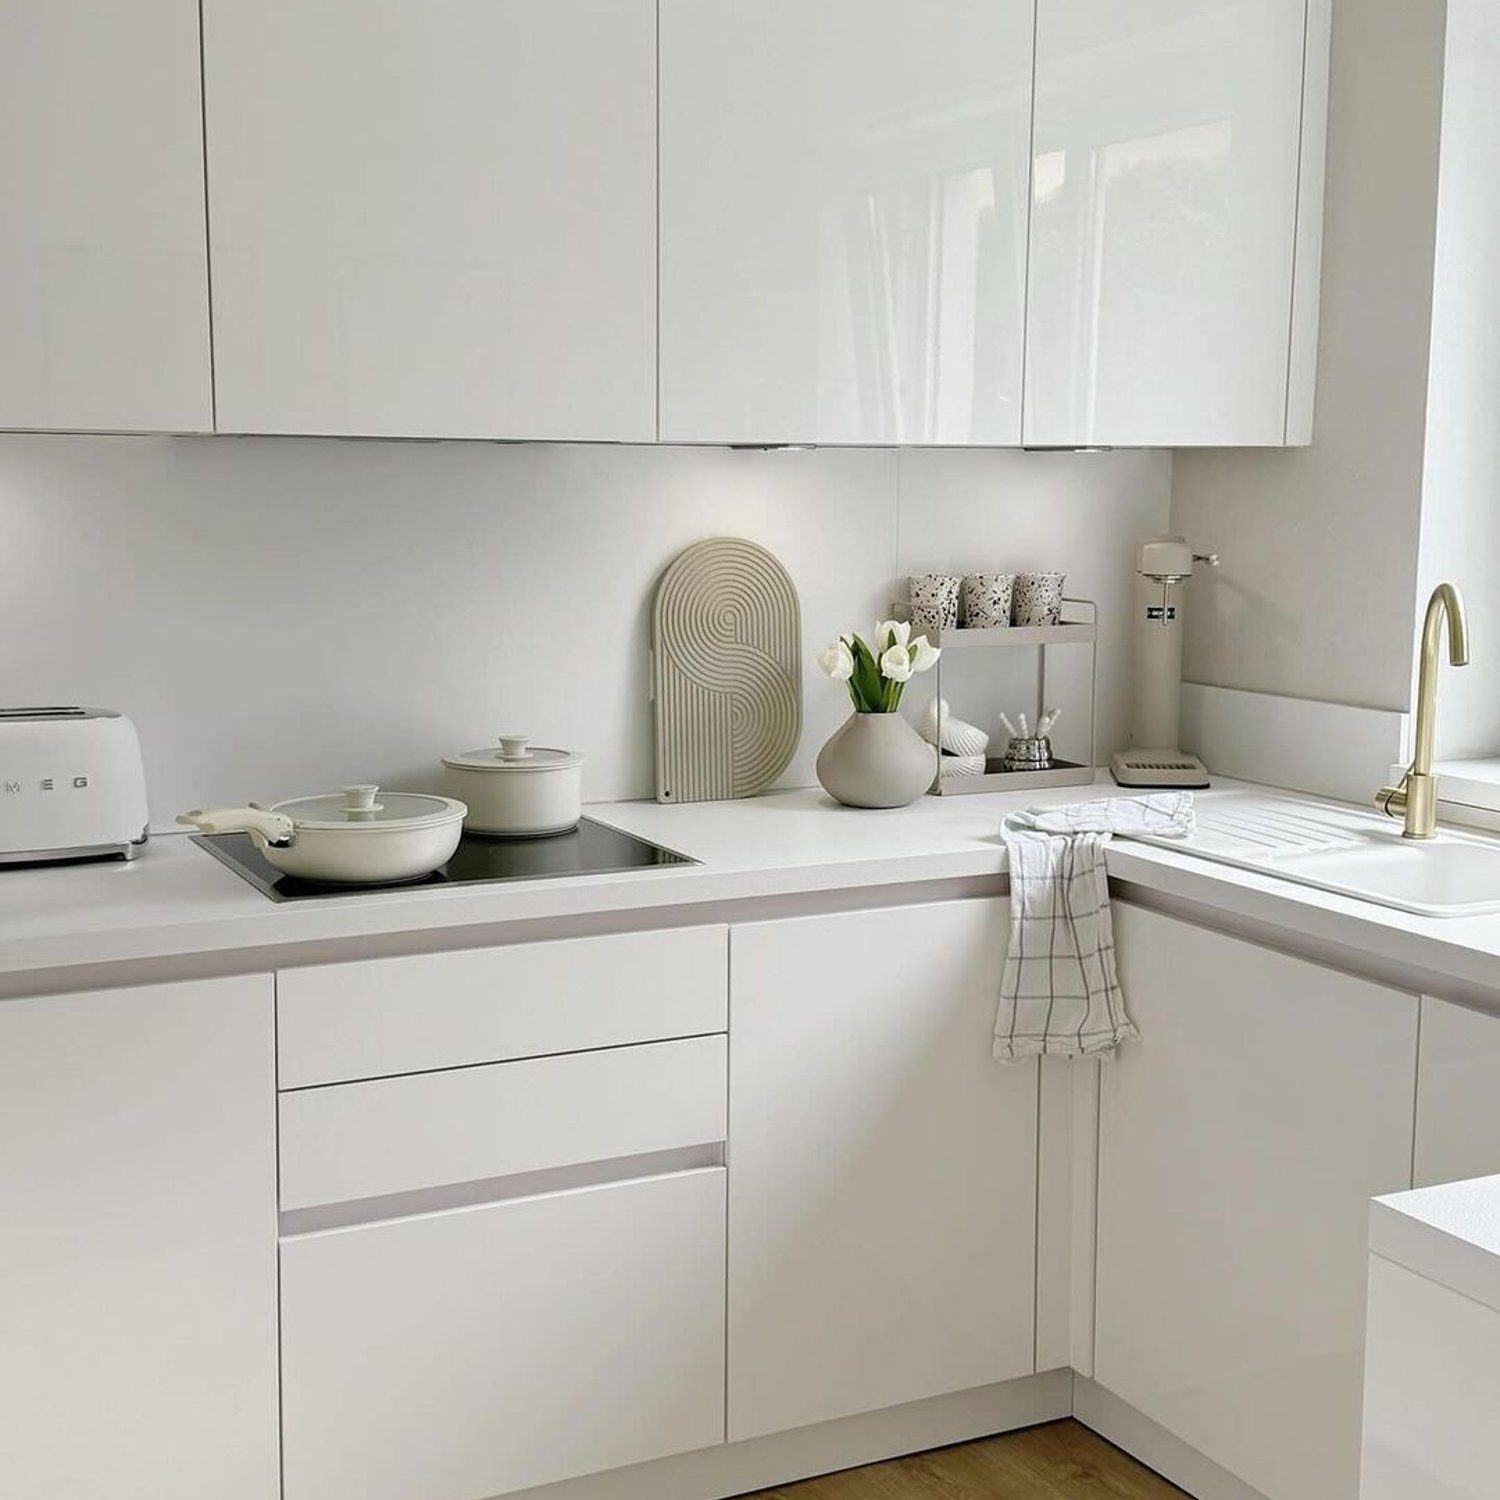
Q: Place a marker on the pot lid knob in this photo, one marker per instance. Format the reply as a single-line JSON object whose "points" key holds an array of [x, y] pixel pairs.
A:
{"points": [[361, 799], [513, 746]]}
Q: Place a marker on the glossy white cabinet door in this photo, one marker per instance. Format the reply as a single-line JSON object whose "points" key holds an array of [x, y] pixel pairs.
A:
{"points": [[138, 1254], [843, 220], [882, 1199], [103, 246], [1458, 1094], [1165, 200], [464, 1354], [434, 219], [1240, 1142]]}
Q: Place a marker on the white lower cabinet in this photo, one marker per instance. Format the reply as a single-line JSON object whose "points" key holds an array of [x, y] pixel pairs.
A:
{"points": [[137, 1257], [469, 1353], [1432, 1386], [1241, 1140], [882, 1216], [1458, 1095]]}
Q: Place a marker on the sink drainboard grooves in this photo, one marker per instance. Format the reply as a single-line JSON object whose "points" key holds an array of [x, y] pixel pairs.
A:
{"points": [[1279, 833]]}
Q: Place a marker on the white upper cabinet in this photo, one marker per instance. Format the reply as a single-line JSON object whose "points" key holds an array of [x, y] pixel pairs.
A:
{"points": [[1176, 219], [843, 220], [103, 250], [434, 219]]}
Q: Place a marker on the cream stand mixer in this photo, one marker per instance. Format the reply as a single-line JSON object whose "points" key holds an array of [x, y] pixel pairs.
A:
{"points": [[1153, 759]]}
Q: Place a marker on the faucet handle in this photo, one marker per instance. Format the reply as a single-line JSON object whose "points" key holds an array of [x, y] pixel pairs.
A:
{"points": [[1391, 800]]}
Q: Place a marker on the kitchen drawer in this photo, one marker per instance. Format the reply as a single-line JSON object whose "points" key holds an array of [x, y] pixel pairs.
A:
{"points": [[377, 1017], [484, 1350], [430, 1130]]}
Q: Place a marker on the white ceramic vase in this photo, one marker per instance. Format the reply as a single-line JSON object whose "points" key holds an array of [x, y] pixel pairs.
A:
{"points": [[876, 760]]}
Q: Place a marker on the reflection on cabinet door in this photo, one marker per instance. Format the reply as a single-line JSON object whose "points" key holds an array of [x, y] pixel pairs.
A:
{"points": [[484, 1350], [1168, 173], [434, 220], [843, 220], [883, 1184], [103, 248], [1240, 1141], [1458, 1094], [137, 1256]]}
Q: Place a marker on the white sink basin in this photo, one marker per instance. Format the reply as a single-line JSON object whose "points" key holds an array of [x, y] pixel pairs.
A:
{"points": [[1348, 851], [1445, 876]]}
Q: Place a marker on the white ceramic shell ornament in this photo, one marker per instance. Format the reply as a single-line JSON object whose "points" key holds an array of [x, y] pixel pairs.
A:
{"points": [[956, 767], [958, 736]]}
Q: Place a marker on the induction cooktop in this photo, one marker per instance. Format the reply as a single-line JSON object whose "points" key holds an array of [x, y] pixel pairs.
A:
{"points": [[590, 849]]}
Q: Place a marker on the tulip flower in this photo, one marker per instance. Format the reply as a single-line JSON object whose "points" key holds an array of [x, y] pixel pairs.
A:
{"points": [[838, 661], [876, 676], [895, 663]]}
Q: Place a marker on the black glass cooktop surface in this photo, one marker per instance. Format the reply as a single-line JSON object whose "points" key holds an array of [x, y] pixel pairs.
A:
{"points": [[590, 849]]}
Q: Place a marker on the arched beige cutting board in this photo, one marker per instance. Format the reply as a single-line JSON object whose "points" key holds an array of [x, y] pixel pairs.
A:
{"points": [[726, 677]]}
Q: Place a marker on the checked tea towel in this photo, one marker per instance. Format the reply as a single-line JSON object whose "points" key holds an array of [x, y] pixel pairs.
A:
{"points": [[1060, 994]]}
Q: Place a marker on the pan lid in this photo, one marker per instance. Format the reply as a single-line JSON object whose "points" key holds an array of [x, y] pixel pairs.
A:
{"points": [[515, 752], [364, 807], [52, 712]]}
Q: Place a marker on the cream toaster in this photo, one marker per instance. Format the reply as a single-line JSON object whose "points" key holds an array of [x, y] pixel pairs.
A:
{"points": [[72, 785]]}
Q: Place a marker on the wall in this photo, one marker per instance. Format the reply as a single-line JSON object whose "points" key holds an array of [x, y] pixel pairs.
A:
{"points": [[1319, 545], [1461, 481], [282, 616]]}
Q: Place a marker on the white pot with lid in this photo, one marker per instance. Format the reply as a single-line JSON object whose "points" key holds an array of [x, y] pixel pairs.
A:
{"points": [[353, 837], [517, 790]]}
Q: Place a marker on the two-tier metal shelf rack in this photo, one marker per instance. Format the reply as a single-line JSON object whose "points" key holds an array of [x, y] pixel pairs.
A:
{"points": [[1079, 627]]}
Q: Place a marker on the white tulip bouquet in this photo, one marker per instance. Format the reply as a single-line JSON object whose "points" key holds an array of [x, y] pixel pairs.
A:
{"points": [[876, 675]]}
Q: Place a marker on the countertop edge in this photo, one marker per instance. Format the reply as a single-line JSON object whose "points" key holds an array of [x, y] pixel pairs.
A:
{"points": [[1447, 1234], [940, 852]]}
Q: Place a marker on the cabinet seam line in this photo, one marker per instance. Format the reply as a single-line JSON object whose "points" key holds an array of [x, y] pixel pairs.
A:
{"points": [[728, 1139], [208, 243], [657, 103], [500, 1062], [1098, 1086], [1036, 1233], [1291, 329], [276, 1147], [1036, 7], [1416, 1094]]}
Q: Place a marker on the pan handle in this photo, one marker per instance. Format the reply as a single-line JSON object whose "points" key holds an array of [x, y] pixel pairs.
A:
{"points": [[270, 830]]}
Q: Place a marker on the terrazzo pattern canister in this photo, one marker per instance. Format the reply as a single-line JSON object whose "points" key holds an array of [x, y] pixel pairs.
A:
{"points": [[1038, 599], [934, 600], [987, 600]]}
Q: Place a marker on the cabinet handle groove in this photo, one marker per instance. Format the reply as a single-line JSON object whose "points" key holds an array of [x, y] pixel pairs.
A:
{"points": [[362, 1212]]}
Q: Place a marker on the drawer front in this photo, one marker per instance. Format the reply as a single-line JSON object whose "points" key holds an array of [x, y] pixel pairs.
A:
{"points": [[490, 1349], [378, 1017], [400, 1135]]}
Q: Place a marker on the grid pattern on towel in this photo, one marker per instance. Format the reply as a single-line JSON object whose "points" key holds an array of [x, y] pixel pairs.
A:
{"points": [[1060, 991]]}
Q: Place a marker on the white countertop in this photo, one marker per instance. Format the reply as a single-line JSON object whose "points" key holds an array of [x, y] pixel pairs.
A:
{"points": [[176, 900], [1449, 1234]]}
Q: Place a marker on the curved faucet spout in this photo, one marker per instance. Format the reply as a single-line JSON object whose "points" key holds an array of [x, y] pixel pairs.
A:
{"points": [[1446, 604], [1416, 797]]}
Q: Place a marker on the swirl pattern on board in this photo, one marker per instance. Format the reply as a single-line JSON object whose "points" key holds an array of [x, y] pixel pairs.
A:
{"points": [[727, 677]]}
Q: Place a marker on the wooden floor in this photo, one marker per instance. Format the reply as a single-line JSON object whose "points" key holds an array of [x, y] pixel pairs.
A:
{"points": [[1061, 1461]]}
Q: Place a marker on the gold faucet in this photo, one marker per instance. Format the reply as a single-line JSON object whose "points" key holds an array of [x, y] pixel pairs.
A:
{"points": [[1417, 793]]}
